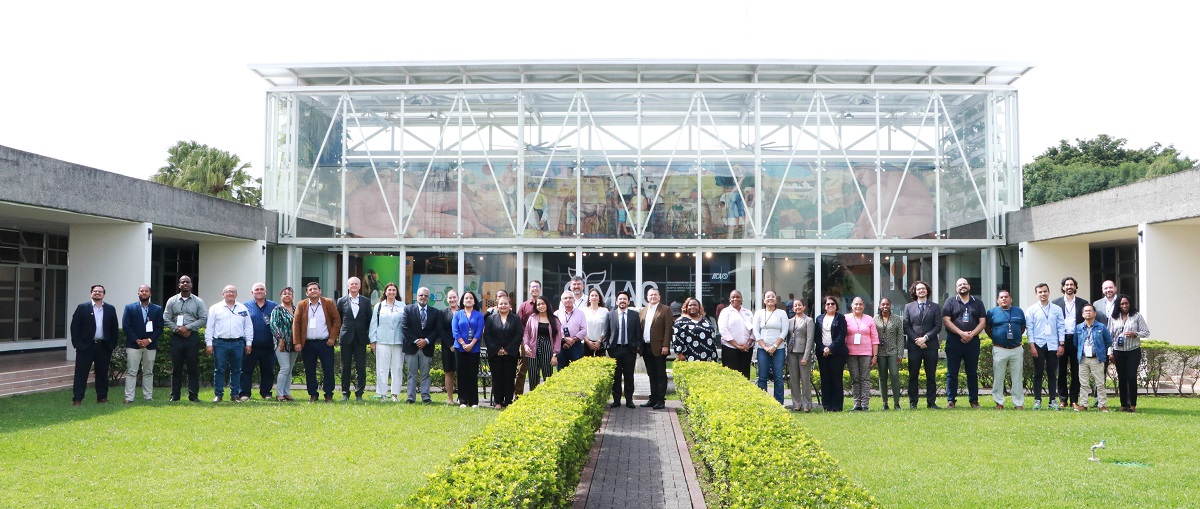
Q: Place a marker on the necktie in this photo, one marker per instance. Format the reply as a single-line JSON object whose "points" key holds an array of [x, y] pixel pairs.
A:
{"points": [[922, 308], [622, 341], [422, 317]]}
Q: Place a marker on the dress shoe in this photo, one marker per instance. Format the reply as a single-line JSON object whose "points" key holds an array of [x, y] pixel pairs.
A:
{"points": [[1132, 409], [358, 397], [975, 405], [912, 406], [885, 406], [427, 401], [1077, 408], [1124, 409], [329, 399], [217, 399], [648, 403], [855, 409], [76, 403], [1104, 409], [345, 398], [280, 399], [1018, 407], [243, 399], [614, 404], [129, 402], [999, 406], [312, 399], [410, 401], [950, 404], [933, 406], [174, 398], [194, 399], [102, 400], [630, 405], [659, 406]]}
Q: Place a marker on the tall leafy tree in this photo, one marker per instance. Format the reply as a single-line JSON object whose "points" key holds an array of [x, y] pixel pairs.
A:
{"points": [[211, 171], [1086, 166]]}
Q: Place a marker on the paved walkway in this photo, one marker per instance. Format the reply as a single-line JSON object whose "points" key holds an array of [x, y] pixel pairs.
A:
{"points": [[640, 460]]}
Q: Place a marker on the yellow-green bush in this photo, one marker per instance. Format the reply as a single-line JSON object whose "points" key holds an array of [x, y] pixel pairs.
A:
{"points": [[757, 454], [532, 455]]}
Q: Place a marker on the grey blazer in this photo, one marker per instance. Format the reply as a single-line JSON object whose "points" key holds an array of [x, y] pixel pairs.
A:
{"points": [[800, 336]]}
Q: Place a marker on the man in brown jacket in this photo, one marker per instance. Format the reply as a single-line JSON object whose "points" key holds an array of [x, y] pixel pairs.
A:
{"points": [[314, 332], [656, 335]]}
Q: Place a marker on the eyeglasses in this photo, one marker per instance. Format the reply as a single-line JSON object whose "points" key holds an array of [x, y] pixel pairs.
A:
{"points": [[830, 303]]}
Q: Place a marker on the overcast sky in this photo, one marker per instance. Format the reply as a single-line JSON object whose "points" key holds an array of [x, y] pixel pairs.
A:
{"points": [[113, 85]]}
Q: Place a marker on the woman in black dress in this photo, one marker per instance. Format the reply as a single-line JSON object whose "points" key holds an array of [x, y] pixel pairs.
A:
{"points": [[502, 332]]}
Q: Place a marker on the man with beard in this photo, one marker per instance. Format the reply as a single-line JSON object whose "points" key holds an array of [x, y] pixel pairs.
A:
{"points": [[143, 324], [921, 327], [186, 314], [963, 318], [1072, 307]]}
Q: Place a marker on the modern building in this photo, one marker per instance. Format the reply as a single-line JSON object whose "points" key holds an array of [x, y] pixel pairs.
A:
{"points": [[694, 177]]}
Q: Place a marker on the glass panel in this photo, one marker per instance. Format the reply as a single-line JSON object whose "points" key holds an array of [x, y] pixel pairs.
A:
{"points": [[56, 303], [728, 197], [8, 302], [898, 270], [431, 197], [670, 188], [723, 272], [848, 275], [964, 181], [905, 200], [437, 271], [372, 197], [319, 156], [791, 276], [29, 307], [611, 271], [488, 272], [673, 273], [789, 191], [489, 204]]}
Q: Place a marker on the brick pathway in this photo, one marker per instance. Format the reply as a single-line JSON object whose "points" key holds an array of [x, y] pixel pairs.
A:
{"points": [[640, 463]]}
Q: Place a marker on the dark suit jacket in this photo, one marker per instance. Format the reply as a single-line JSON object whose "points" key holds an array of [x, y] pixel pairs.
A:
{"points": [[413, 331], [661, 328], [135, 326], [837, 332], [355, 329], [83, 327], [507, 336], [918, 324], [633, 335], [1080, 302]]}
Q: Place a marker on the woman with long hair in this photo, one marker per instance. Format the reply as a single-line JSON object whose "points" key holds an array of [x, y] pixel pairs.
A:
{"points": [[831, 356], [543, 339], [387, 342], [1127, 328], [468, 330], [285, 349], [862, 345], [800, 357], [502, 335], [770, 331], [597, 317], [693, 337]]}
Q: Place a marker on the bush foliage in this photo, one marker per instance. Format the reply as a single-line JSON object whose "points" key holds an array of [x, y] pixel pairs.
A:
{"points": [[756, 454], [532, 455]]}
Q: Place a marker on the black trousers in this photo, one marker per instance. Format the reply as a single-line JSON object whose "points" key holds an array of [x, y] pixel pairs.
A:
{"points": [[929, 357], [737, 360], [504, 370], [313, 351], [1045, 363], [656, 367], [356, 352], [468, 378], [626, 357], [1127, 364], [98, 356], [264, 358], [185, 355], [966, 355], [1068, 384], [833, 390]]}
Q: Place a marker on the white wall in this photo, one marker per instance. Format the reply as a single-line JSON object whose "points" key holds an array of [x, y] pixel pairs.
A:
{"points": [[1048, 262], [115, 256], [1168, 275], [240, 263]]}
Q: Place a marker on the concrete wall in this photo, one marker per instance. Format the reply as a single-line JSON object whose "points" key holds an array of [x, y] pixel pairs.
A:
{"points": [[1048, 262], [1168, 274], [237, 262], [116, 256]]}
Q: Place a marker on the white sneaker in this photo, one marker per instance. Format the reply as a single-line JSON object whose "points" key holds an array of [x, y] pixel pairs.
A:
{"points": [[1054, 405], [1037, 405]]}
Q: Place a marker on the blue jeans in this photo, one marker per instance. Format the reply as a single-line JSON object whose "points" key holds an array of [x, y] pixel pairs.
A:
{"points": [[771, 365], [228, 360]]}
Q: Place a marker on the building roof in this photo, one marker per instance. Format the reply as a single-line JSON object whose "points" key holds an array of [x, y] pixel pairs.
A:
{"points": [[640, 72]]}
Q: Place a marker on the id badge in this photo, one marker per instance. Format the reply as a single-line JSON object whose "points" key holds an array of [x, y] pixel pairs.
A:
{"points": [[149, 326], [857, 338], [179, 321], [1010, 335], [1121, 341]]}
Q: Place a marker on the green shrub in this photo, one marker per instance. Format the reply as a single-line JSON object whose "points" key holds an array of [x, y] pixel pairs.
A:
{"points": [[532, 455], [756, 454]]}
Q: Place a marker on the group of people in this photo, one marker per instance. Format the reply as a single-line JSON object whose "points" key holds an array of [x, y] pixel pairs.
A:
{"points": [[1070, 340]]}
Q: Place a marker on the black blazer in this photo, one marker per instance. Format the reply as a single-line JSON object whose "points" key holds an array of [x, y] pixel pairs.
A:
{"points": [[135, 326], [83, 327], [634, 335], [507, 335], [1080, 302], [413, 331], [837, 331], [355, 329], [918, 324]]}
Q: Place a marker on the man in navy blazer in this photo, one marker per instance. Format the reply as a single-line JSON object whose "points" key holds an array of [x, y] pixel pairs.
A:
{"points": [[143, 325], [623, 342], [922, 324], [422, 330], [94, 336]]}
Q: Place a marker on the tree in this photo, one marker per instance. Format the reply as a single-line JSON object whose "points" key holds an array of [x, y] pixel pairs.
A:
{"points": [[211, 171], [1068, 170]]}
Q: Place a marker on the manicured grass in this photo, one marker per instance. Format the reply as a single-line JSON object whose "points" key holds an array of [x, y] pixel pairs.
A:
{"points": [[988, 458], [253, 454]]}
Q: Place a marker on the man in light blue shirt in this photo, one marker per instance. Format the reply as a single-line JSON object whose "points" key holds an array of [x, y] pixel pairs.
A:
{"points": [[1047, 340]]}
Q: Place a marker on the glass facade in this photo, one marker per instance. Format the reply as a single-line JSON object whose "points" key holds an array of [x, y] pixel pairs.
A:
{"points": [[847, 179], [33, 286]]}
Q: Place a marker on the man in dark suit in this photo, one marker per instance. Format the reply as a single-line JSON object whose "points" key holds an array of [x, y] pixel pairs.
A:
{"points": [[623, 342], [143, 324], [1072, 306], [422, 330], [94, 336], [355, 310], [657, 322], [922, 324]]}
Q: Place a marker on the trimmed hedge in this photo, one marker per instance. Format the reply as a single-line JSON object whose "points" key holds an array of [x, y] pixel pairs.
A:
{"points": [[533, 454], [757, 455]]}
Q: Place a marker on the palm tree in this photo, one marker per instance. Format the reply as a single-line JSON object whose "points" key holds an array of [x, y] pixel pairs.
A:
{"points": [[211, 171]]}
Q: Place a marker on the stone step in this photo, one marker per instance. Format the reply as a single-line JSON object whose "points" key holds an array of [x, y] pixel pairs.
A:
{"points": [[43, 384], [35, 373]]}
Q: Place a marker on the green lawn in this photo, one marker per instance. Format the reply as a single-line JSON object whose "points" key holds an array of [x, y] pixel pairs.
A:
{"points": [[253, 454], [989, 458]]}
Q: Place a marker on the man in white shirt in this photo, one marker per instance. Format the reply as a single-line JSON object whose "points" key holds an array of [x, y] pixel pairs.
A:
{"points": [[1068, 365], [657, 323], [228, 335], [1044, 321], [737, 336]]}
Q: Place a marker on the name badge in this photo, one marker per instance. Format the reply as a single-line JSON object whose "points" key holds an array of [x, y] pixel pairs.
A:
{"points": [[1010, 335], [857, 338], [149, 326], [179, 321]]}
